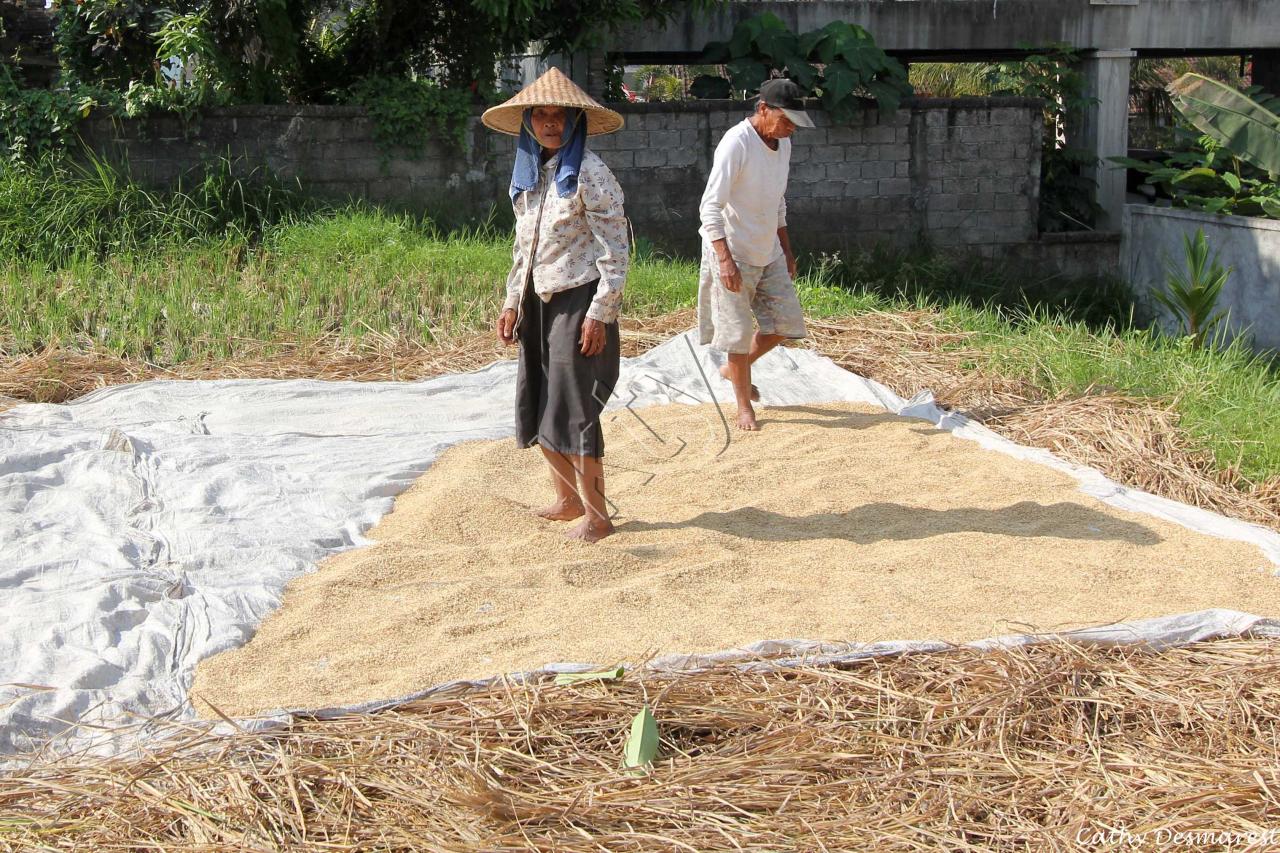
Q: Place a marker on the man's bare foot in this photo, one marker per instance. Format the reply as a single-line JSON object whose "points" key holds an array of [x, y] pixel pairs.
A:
{"points": [[562, 510], [747, 419], [591, 531], [755, 392]]}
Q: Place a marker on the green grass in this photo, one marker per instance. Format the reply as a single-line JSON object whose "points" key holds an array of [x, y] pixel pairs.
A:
{"points": [[59, 210], [352, 274], [132, 277], [1228, 398]]}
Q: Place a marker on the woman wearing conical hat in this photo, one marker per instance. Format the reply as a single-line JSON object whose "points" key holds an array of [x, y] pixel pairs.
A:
{"points": [[564, 290]]}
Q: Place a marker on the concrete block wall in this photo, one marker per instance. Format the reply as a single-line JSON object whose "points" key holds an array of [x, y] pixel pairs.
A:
{"points": [[329, 150], [958, 172], [1152, 242]]}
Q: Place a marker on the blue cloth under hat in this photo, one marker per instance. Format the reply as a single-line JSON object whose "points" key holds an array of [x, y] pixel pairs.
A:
{"points": [[524, 175]]}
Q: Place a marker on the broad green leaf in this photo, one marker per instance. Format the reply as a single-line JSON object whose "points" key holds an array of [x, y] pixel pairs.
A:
{"points": [[888, 97], [1262, 96], [1190, 174], [829, 45], [576, 677], [1271, 206], [1247, 207], [770, 22], [746, 73], [642, 744], [839, 81], [1230, 179], [1239, 123], [744, 36], [708, 86], [864, 57], [805, 75], [777, 45], [810, 40]]}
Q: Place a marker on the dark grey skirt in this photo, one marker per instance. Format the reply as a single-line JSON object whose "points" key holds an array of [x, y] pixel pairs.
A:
{"points": [[560, 392]]}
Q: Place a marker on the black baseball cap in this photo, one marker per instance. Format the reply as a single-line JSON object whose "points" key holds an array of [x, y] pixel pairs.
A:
{"points": [[786, 96]]}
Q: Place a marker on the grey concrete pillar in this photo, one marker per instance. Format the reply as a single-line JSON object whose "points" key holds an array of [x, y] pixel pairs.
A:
{"points": [[579, 69], [586, 68], [1104, 128], [597, 64]]}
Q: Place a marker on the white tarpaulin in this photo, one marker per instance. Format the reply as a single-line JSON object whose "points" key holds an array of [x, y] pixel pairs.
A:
{"points": [[145, 527]]}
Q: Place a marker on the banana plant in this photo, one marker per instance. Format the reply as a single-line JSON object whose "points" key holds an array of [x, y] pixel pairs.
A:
{"points": [[1247, 126], [1211, 178]]}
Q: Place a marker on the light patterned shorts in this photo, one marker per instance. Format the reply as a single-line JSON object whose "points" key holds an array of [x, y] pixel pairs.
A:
{"points": [[725, 318]]}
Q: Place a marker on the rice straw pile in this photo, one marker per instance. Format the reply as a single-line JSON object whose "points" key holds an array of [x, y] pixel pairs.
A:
{"points": [[1041, 748]]}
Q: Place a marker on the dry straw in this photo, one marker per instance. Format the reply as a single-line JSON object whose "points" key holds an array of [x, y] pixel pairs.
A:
{"points": [[1029, 749]]}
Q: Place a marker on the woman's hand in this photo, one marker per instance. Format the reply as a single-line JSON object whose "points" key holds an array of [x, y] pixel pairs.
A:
{"points": [[592, 337], [505, 327]]}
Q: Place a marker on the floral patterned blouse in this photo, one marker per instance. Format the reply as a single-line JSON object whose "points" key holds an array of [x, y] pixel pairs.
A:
{"points": [[583, 237]]}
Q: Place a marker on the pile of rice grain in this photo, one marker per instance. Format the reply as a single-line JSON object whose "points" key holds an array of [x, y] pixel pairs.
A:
{"points": [[834, 522]]}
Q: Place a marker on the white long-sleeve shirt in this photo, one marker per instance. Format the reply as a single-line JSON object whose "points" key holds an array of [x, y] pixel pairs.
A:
{"points": [[582, 237], [745, 199]]}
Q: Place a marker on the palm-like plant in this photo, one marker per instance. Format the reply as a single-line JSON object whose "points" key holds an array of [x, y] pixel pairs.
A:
{"points": [[1191, 293]]}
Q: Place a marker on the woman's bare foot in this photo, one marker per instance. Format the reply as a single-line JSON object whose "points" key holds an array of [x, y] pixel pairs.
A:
{"points": [[591, 531], [755, 392], [565, 509], [747, 419]]}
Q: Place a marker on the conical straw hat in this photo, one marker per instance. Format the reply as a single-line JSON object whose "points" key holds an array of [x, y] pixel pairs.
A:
{"points": [[552, 89]]}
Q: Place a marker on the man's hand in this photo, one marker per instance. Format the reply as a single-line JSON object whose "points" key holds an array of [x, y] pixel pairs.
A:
{"points": [[730, 277], [592, 337], [505, 327], [791, 265]]}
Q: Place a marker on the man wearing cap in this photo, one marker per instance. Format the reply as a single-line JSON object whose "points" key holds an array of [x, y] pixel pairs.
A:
{"points": [[747, 264]]}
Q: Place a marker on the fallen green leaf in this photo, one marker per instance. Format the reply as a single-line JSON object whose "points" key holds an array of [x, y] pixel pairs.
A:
{"points": [[642, 744]]}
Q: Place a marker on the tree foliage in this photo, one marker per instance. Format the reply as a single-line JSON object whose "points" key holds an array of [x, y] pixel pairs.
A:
{"points": [[412, 63], [314, 51]]}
